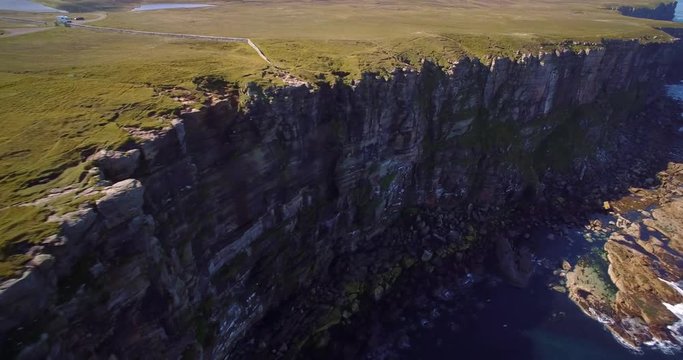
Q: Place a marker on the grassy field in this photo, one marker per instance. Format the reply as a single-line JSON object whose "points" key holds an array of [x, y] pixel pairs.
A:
{"points": [[4, 24], [118, 5], [382, 20], [312, 37], [66, 92]]}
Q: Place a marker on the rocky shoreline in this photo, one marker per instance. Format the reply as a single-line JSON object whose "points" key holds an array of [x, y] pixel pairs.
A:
{"points": [[644, 252]]}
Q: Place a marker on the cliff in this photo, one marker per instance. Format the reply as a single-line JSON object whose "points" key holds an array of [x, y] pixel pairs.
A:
{"points": [[208, 228], [663, 11]]}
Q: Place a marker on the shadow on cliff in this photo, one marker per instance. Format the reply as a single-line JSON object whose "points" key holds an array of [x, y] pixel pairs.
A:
{"points": [[489, 319]]}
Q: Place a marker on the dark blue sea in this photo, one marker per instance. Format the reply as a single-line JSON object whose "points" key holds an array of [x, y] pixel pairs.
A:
{"points": [[533, 323]]}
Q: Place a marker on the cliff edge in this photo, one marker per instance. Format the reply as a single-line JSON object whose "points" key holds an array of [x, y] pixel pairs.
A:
{"points": [[663, 11]]}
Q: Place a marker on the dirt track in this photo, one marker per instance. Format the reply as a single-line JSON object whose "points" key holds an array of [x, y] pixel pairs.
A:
{"points": [[101, 16], [176, 35], [286, 77], [44, 25]]}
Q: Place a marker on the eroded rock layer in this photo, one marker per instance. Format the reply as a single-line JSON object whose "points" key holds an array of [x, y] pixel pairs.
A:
{"points": [[645, 264], [212, 225]]}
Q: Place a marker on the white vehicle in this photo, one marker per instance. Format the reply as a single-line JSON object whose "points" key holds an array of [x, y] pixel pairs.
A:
{"points": [[63, 20]]}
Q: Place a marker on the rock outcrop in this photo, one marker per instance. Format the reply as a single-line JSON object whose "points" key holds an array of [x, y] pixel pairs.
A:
{"points": [[117, 165], [235, 209], [645, 259], [663, 11], [517, 266]]}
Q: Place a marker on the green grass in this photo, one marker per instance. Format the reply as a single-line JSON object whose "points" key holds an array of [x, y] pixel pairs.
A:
{"points": [[60, 106], [380, 20], [85, 89], [4, 24], [66, 92], [311, 37], [21, 225], [45, 17]]}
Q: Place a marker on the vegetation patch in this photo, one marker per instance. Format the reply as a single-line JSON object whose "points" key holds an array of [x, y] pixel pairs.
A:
{"points": [[387, 180], [213, 83], [21, 225]]}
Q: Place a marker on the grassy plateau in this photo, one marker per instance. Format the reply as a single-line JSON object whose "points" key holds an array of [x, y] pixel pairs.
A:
{"points": [[65, 92]]}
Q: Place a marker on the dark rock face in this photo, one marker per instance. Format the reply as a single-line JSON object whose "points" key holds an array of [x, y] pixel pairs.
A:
{"points": [[516, 267], [235, 210], [663, 11]]}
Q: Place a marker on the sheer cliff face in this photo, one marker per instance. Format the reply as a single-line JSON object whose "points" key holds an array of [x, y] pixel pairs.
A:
{"points": [[663, 11], [230, 212]]}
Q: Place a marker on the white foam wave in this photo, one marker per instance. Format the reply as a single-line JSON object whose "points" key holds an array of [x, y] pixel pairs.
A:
{"points": [[606, 321], [675, 329], [665, 346], [635, 328], [625, 343], [602, 318], [675, 92], [678, 286]]}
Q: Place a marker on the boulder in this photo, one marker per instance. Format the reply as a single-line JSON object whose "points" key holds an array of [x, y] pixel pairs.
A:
{"points": [[117, 165], [76, 223], [566, 266], [121, 202], [43, 261], [516, 266], [23, 298]]}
